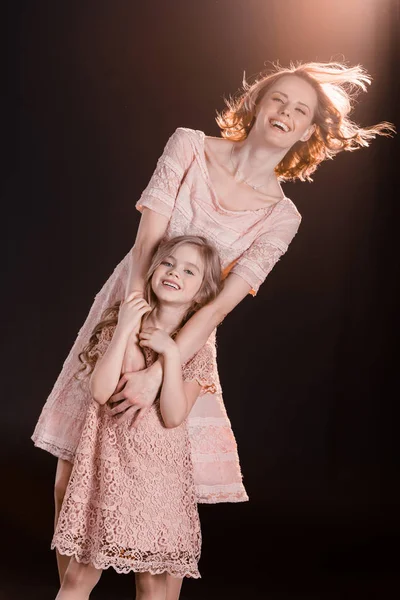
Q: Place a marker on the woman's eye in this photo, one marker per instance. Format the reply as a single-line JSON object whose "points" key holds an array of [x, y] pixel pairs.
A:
{"points": [[303, 112], [278, 99], [189, 272]]}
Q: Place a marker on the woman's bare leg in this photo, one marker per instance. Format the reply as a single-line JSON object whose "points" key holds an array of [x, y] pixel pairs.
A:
{"points": [[63, 474], [150, 587], [79, 580], [174, 585]]}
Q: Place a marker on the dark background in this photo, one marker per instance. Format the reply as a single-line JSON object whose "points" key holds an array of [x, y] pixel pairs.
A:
{"points": [[93, 91]]}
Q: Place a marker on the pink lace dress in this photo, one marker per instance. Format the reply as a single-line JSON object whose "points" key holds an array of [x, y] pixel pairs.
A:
{"points": [[131, 501], [249, 242]]}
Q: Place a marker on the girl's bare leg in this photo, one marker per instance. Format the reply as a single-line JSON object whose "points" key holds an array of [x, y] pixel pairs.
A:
{"points": [[79, 580], [63, 474], [150, 587], [174, 585]]}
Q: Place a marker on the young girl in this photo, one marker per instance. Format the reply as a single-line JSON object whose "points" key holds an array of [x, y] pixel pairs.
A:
{"points": [[131, 502]]}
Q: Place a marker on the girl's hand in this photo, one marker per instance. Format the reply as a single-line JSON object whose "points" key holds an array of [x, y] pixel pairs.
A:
{"points": [[156, 339], [131, 311]]}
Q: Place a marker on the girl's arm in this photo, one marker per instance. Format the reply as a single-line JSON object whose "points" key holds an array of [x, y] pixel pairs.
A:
{"points": [[108, 368], [133, 358], [177, 397]]}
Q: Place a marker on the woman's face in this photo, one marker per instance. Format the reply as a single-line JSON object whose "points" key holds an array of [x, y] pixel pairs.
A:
{"points": [[285, 114], [178, 278]]}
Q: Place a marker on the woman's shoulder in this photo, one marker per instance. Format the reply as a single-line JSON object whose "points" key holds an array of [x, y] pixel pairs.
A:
{"points": [[184, 143], [187, 134]]}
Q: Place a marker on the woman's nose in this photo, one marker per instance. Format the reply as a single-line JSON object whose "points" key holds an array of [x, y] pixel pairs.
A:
{"points": [[285, 110]]}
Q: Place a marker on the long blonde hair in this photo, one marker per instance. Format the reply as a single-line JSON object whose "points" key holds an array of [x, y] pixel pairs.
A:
{"points": [[210, 288], [337, 87]]}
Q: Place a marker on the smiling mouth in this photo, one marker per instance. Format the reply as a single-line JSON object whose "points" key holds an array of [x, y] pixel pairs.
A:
{"points": [[170, 284], [280, 125]]}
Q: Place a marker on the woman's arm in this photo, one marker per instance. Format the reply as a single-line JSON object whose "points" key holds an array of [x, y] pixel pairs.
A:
{"points": [[198, 329], [152, 227], [157, 203]]}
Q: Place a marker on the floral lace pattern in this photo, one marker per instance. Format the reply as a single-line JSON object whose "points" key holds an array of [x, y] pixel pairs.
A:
{"points": [[131, 502]]}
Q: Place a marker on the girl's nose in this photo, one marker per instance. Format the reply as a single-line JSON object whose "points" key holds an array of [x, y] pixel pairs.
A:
{"points": [[173, 273]]}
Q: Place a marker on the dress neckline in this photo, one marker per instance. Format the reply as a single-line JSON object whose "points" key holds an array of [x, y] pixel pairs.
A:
{"points": [[203, 162]]}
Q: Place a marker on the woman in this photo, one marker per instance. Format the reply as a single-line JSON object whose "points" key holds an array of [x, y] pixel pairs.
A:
{"points": [[228, 190]]}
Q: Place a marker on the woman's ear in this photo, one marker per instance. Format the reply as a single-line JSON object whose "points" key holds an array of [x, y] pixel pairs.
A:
{"points": [[308, 133]]}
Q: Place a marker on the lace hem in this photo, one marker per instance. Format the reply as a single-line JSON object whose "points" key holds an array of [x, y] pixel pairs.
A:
{"points": [[201, 368], [136, 566], [217, 494], [53, 449], [256, 264], [158, 205]]}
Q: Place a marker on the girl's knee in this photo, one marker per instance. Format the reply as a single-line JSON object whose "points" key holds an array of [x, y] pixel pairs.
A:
{"points": [[149, 585], [80, 576]]}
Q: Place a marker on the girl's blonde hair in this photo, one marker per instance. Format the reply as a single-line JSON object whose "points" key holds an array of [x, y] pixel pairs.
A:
{"points": [[336, 86], [210, 288]]}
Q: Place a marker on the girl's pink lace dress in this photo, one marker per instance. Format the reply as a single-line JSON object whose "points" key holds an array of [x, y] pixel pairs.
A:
{"points": [[249, 242], [131, 501]]}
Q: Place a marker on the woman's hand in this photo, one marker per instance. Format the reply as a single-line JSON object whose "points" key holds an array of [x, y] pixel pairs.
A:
{"points": [[135, 393], [131, 312], [156, 339]]}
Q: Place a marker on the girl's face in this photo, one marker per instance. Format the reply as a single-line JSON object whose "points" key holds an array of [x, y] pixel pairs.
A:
{"points": [[285, 114], [179, 276]]}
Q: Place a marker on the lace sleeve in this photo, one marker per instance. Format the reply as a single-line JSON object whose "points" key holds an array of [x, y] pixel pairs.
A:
{"points": [[259, 259], [160, 194], [103, 341], [200, 368]]}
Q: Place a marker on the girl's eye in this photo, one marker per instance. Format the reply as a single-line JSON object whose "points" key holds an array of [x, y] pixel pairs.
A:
{"points": [[189, 272], [166, 263]]}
